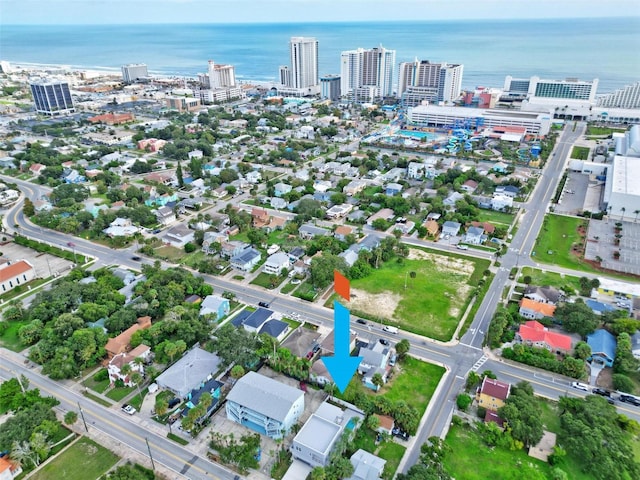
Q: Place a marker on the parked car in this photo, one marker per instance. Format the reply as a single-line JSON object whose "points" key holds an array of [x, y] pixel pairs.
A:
{"points": [[400, 433], [126, 408], [392, 360], [601, 391], [630, 399], [384, 341], [462, 247], [580, 386], [173, 403]]}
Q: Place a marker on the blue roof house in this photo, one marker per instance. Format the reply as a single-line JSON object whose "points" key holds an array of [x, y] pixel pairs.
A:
{"points": [[603, 347], [598, 307]]}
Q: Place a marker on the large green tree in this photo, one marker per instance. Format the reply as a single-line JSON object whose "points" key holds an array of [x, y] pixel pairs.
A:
{"points": [[523, 415], [577, 317], [322, 269]]}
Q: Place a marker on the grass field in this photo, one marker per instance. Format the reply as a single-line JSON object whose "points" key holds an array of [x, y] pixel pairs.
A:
{"points": [[495, 217], [268, 281], [10, 338], [97, 385], [558, 235], [118, 393], [581, 153], [552, 279], [84, 460], [388, 450], [432, 303], [593, 130]]}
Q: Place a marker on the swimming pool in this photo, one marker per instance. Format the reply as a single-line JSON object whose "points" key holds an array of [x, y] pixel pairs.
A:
{"points": [[416, 134], [351, 424]]}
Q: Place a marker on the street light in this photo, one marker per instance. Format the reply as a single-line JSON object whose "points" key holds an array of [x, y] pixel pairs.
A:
{"points": [[73, 246]]}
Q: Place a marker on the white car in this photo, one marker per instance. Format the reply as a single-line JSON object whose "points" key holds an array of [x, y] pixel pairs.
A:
{"points": [[128, 409], [580, 386]]}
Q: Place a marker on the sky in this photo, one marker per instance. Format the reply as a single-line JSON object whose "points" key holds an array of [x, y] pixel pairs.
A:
{"points": [[57, 12]]}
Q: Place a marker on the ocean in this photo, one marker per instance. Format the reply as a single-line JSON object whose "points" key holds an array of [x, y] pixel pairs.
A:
{"points": [[489, 50]]}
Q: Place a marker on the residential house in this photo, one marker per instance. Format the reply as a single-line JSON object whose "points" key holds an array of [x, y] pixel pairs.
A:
{"points": [[17, 273], [115, 365], [276, 263], [322, 185], [536, 310], [151, 144], [253, 177], [120, 227], [469, 186], [212, 242], [338, 211], [508, 190], [37, 168], [296, 254], [178, 236], [501, 202], [309, 231], [120, 343], [278, 203], [405, 226], [232, 248], [394, 174], [488, 228], [125, 275], [415, 170], [366, 466], [598, 307], [451, 200], [260, 217], [500, 167], [252, 321], [492, 394], [328, 344], [385, 423], [354, 187], [195, 154], [603, 347], [275, 223], [264, 405], [475, 236], [165, 215], [9, 469], [350, 255], [188, 373], [248, 258], [275, 328], [73, 176], [210, 386], [451, 228], [537, 335], [214, 305], [385, 214], [317, 437], [393, 189], [543, 294], [432, 227], [342, 231], [282, 189], [368, 243], [375, 358]]}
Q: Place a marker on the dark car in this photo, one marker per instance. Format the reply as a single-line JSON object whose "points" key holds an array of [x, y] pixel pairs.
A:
{"points": [[629, 399], [361, 321], [263, 304], [400, 433], [384, 341], [601, 391], [136, 258], [173, 403]]}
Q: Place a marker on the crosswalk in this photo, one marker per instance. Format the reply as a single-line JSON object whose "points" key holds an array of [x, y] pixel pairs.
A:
{"points": [[479, 363]]}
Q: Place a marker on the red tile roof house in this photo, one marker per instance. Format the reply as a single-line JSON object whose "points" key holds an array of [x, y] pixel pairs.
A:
{"points": [[37, 168], [492, 394], [386, 423], [120, 344], [535, 334], [14, 274], [115, 365]]}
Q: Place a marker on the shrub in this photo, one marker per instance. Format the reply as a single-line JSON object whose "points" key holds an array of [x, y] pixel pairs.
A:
{"points": [[102, 374], [70, 418], [3, 327], [463, 401], [482, 412], [623, 383]]}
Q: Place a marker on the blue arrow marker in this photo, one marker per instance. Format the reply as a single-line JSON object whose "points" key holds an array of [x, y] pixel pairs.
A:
{"points": [[341, 366]]}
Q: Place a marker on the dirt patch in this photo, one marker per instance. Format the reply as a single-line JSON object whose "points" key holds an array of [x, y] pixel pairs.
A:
{"points": [[381, 305], [442, 262]]}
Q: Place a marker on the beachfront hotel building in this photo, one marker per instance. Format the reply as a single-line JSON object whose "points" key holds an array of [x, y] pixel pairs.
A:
{"points": [[221, 76], [367, 74], [330, 87], [300, 78], [134, 72], [52, 97], [535, 123], [626, 97], [420, 81]]}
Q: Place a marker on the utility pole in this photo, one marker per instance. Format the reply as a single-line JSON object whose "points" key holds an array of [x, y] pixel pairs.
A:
{"points": [[82, 415], [153, 466]]}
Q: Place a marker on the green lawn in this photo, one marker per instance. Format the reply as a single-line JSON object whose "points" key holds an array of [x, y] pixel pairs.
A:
{"points": [[84, 460], [306, 291], [391, 452], [118, 393], [495, 217], [288, 288], [10, 337], [581, 153], [170, 253], [593, 130], [97, 385], [268, 281], [433, 302], [557, 236], [471, 459], [552, 279]]}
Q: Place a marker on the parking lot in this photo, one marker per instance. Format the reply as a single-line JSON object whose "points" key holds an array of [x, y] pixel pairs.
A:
{"points": [[45, 265], [601, 244]]}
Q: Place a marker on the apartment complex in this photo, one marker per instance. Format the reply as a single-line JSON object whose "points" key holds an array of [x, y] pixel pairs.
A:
{"points": [[367, 74], [626, 97], [301, 76], [52, 97], [330, 87], [420, 81]]}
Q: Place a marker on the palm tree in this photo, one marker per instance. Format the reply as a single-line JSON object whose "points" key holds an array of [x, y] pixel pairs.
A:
{"points": [[623, 209], [330, 389], [637, 212], [137, 379]]}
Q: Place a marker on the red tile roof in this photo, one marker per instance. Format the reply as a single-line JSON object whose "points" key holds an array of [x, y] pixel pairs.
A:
{"points": [[533, 331], [12, 271], [495, 388], [545, 309], [386, 422]]}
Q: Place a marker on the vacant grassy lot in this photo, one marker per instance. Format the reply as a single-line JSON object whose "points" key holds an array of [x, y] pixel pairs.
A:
{"points": [[497, 218], [391, 452], [557, 236], [581, 153], [268, 281], [432, 302], [172, 254], [84, 460], [118, 393], [552, 279]]}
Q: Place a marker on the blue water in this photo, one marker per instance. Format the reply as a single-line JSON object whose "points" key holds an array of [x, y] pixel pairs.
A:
{"points": [[416, 134], [350, 424], [489, 50]]}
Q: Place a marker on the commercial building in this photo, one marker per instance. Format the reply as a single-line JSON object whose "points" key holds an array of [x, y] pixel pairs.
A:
{"points": [[52, 97], [265, 405], [14, 274], [420, 81], [134, 72], [536, 123], [367, 74], [622, 188], [301, 76], [182, 104], [330, 87]]}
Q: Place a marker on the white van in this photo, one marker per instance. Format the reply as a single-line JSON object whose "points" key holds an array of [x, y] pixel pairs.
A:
{"points": [[390, 329], [580, 386]]}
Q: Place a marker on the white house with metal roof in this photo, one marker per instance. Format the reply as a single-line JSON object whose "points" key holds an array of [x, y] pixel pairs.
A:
{"points": [[191, 370], [265, 405]]}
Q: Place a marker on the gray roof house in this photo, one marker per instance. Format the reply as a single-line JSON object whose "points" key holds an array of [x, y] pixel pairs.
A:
{"points": [[543, 294], [366, 466], [475, 235], [264, 405], [213, 304], [308, 231], [350, 256], [246, 259], [450, 228], [178, 236], [275, 328], [187, 373]]}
